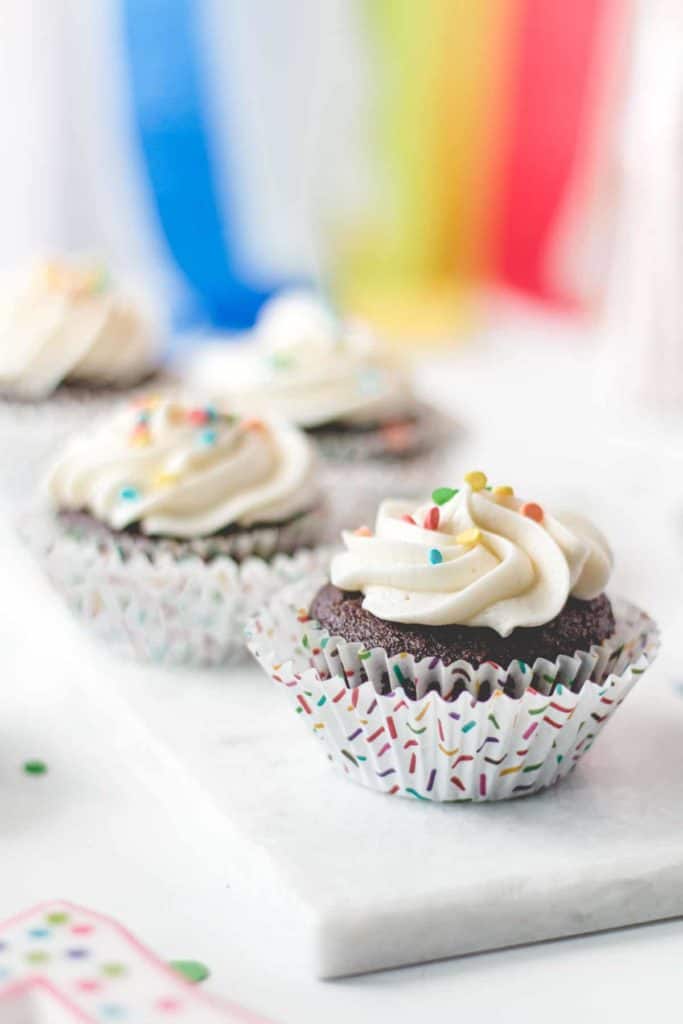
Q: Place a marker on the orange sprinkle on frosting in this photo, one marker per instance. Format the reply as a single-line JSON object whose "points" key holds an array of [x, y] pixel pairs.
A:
{"points": [[532, 511], [253, 424]]}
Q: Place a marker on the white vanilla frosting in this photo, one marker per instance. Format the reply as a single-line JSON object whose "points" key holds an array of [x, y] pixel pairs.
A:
{"points": [[63, 322], [183, 471], [481, 558], [306, 365]]}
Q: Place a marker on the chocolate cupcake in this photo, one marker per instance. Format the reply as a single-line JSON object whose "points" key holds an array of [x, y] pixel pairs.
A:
{"points": [[340, 384], [471, 632], [71, 342], [331, 379], [171, 520]]}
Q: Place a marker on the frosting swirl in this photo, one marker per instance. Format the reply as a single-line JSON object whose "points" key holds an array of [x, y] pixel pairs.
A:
{"points": [[65, 322], [183, 471], [306, 365], [473, 557]]}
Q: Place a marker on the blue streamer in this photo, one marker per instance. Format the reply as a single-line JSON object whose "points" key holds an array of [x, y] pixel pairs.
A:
{"points": [[163, 50]]}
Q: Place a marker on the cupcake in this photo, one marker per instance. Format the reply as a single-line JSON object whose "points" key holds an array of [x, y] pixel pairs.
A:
{"points": [[332, 379], [170, 521], [339, 384], [464, 650], [70, 340]]}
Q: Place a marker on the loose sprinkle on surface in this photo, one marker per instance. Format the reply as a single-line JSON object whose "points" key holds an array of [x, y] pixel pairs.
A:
{"points": [[363, 531]]}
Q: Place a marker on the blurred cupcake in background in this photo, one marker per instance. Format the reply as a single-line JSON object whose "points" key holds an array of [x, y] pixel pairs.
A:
{"points": [[463, 650], [338, 382], [331, 379], [71, 341], [170, 522]]}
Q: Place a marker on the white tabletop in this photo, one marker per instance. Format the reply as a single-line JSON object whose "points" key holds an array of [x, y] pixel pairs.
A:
{"points": [[119, 824]]}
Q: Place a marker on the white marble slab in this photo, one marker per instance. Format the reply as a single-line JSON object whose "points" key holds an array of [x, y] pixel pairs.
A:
{"points": [[338, 880], [385, 881]]}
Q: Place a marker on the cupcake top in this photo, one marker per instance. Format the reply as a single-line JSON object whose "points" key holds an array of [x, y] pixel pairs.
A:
{"points": [[66, 322], [178, 470], [308, 366], [473, 556]]}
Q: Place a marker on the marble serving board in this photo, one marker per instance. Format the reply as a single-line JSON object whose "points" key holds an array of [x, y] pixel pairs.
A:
{"points": [[372, 881]]}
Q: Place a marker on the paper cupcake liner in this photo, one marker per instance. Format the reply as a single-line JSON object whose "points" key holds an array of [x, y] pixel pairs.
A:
{"points": [[428, 429], [303, 531], [511, 732], [155, 606]]}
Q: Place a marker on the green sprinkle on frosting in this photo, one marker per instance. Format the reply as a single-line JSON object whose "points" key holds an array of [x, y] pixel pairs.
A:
{"points": [[443, 494]]}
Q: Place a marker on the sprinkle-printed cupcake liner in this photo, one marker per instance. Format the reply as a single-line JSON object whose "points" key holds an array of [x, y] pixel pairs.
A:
{"points": [[155, 606], [508, 733], [427, 430]]}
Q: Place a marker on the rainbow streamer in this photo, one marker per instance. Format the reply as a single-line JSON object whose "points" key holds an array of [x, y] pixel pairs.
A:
{"points": [[163, 52], [411, 266], [481, 119], [560, 65]]}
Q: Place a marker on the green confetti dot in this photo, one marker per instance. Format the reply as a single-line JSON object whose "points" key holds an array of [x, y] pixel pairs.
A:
{"points": [[35, 767], [57, 917], [191, 970], [113, 970], [443, 494], [37, 957], [281, 361]]}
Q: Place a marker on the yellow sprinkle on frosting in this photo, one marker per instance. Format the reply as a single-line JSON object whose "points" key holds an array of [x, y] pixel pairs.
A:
{"points": [[476, 479], [503, 491], [166, 479], [468, 538]]}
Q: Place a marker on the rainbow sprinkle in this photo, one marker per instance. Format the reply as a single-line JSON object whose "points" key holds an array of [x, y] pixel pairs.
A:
{"points": [[208, 437], [435, 556], [532, 511], [129, 493], [476, 479], [432, 519], [443, 494]]}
